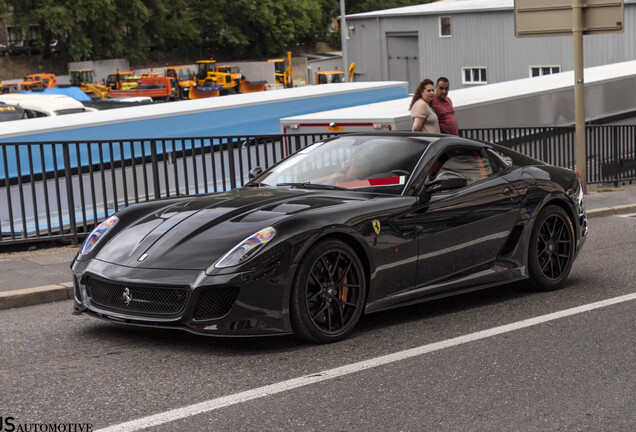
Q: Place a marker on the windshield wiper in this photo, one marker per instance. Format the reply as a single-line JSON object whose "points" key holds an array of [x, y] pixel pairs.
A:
{"points": [[256, 185], [309, 185]]}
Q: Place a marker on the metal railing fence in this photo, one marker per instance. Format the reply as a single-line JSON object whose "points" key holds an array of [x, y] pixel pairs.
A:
{"points": [[61, 190]]}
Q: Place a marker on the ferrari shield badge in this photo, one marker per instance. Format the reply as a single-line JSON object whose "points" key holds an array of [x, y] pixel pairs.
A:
{"points": [[376, 226]]}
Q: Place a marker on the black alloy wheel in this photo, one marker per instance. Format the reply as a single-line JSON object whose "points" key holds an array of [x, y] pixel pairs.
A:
{"points": [[328, 293], [551, 249]]}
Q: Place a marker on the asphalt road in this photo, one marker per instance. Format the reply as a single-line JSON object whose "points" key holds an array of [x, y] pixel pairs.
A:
{"points": [[575, 373]]}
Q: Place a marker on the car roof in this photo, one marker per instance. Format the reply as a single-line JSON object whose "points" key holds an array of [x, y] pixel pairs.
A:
{"points": [[428, 136], [45, 103]]}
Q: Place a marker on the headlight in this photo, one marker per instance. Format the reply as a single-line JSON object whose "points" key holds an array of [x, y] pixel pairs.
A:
{"points": [[97, 234], [246, 249]]}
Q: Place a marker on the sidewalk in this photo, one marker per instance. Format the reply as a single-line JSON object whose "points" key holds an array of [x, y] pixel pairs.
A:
{"points": [[44, 275]]}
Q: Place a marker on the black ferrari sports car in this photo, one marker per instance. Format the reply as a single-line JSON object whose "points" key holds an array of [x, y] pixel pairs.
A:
{"points": [[350, 225]]}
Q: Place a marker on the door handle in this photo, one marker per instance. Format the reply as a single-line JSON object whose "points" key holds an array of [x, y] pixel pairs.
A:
{"points": [[506, 191]]}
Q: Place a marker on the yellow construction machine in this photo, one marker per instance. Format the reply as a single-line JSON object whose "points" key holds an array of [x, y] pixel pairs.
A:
{"points": [[283, 70], [335, 76], [114, 80], [207, 76], [330, 77], [85, 80], [232, 70]]}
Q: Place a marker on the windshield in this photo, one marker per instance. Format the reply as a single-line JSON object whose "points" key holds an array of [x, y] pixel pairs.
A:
{"points": [[204, 68], [338, 78], [184, 74], [351, 162], [279, 67]]}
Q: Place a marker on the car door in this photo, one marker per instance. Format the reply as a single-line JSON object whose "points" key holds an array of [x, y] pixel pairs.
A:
{"points": [[462, 230]]}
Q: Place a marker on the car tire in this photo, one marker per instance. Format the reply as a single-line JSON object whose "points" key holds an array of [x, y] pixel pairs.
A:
{"points": [[551, 249], [328, 293]]}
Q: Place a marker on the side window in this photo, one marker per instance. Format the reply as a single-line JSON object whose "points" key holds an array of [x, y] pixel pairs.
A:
{"points": [[466, 162], [496, 162]]}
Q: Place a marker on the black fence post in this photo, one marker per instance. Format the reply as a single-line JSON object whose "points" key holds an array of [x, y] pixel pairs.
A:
{"points": [[69, 192], [230, 156], [546, 152], [155, 168], [616, 157]]}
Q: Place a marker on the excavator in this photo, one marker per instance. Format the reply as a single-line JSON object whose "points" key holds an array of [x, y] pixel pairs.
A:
{"points": [[85, 80]]}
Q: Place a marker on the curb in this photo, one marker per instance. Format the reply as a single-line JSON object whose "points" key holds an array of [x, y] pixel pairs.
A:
{"points": [[611, 211], [64, 291], [35, 296]]}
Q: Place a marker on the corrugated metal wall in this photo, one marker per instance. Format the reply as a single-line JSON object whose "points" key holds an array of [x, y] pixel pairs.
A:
{"points": [[480, 39]]}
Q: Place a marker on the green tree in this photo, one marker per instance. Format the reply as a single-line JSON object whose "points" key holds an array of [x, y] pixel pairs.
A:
{"points": [[99, 29], [232, 29], [256, 28], [358, 6]]}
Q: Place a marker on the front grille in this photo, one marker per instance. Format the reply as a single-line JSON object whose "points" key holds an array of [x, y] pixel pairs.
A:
{"points": [[215, 302], [136, 299]]}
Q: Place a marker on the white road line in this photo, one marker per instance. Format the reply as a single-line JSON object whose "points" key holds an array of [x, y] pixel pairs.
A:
{"points": [[233, 399]]}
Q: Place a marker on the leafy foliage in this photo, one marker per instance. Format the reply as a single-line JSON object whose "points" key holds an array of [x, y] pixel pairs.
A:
{"points": [[232, 29]]}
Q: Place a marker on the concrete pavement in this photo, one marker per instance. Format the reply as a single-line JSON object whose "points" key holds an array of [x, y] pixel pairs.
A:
{"points": [[43, 275]]}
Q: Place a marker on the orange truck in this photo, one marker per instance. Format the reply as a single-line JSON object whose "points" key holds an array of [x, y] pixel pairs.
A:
{"points": [[38, 81], [8, 88], [183, 76], [114, 80], [158, 88]]}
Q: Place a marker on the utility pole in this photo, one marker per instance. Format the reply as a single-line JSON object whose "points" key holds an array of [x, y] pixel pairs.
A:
{"points": [[577, 18], [343, 36], [580, 151]]}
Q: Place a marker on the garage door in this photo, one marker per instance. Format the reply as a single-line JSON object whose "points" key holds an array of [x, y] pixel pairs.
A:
{"points": [[403, 58]]}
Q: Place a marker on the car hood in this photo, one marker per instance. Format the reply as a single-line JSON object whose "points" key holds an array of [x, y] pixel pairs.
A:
{"points": [[193, 233]]}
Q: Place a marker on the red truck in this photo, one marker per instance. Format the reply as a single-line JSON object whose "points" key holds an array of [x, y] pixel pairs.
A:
{"points": [[158, 88]]}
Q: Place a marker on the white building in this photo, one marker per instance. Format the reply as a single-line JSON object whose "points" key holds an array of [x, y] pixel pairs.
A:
{"points": [[471, 42]]}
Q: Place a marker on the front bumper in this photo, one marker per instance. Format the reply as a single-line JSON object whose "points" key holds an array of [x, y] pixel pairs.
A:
{"points": [[243, 304]]}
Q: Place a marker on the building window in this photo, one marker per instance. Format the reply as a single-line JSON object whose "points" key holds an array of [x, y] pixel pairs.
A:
{"points": [[445, 26], [14, 35], [474, 75], [34, 33], [536, 71]]}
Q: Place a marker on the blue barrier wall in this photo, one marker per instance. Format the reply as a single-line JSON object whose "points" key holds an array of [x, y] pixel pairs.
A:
{"points": [[74, 92], [253, 113], [246, 114]]}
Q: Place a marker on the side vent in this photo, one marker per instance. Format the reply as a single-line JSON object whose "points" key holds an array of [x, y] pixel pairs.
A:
{"points": [[215, 302], [511, 241]]}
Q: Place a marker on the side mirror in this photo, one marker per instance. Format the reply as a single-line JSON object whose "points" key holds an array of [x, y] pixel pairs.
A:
{"points": [[255, 172], [446, 180]]}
